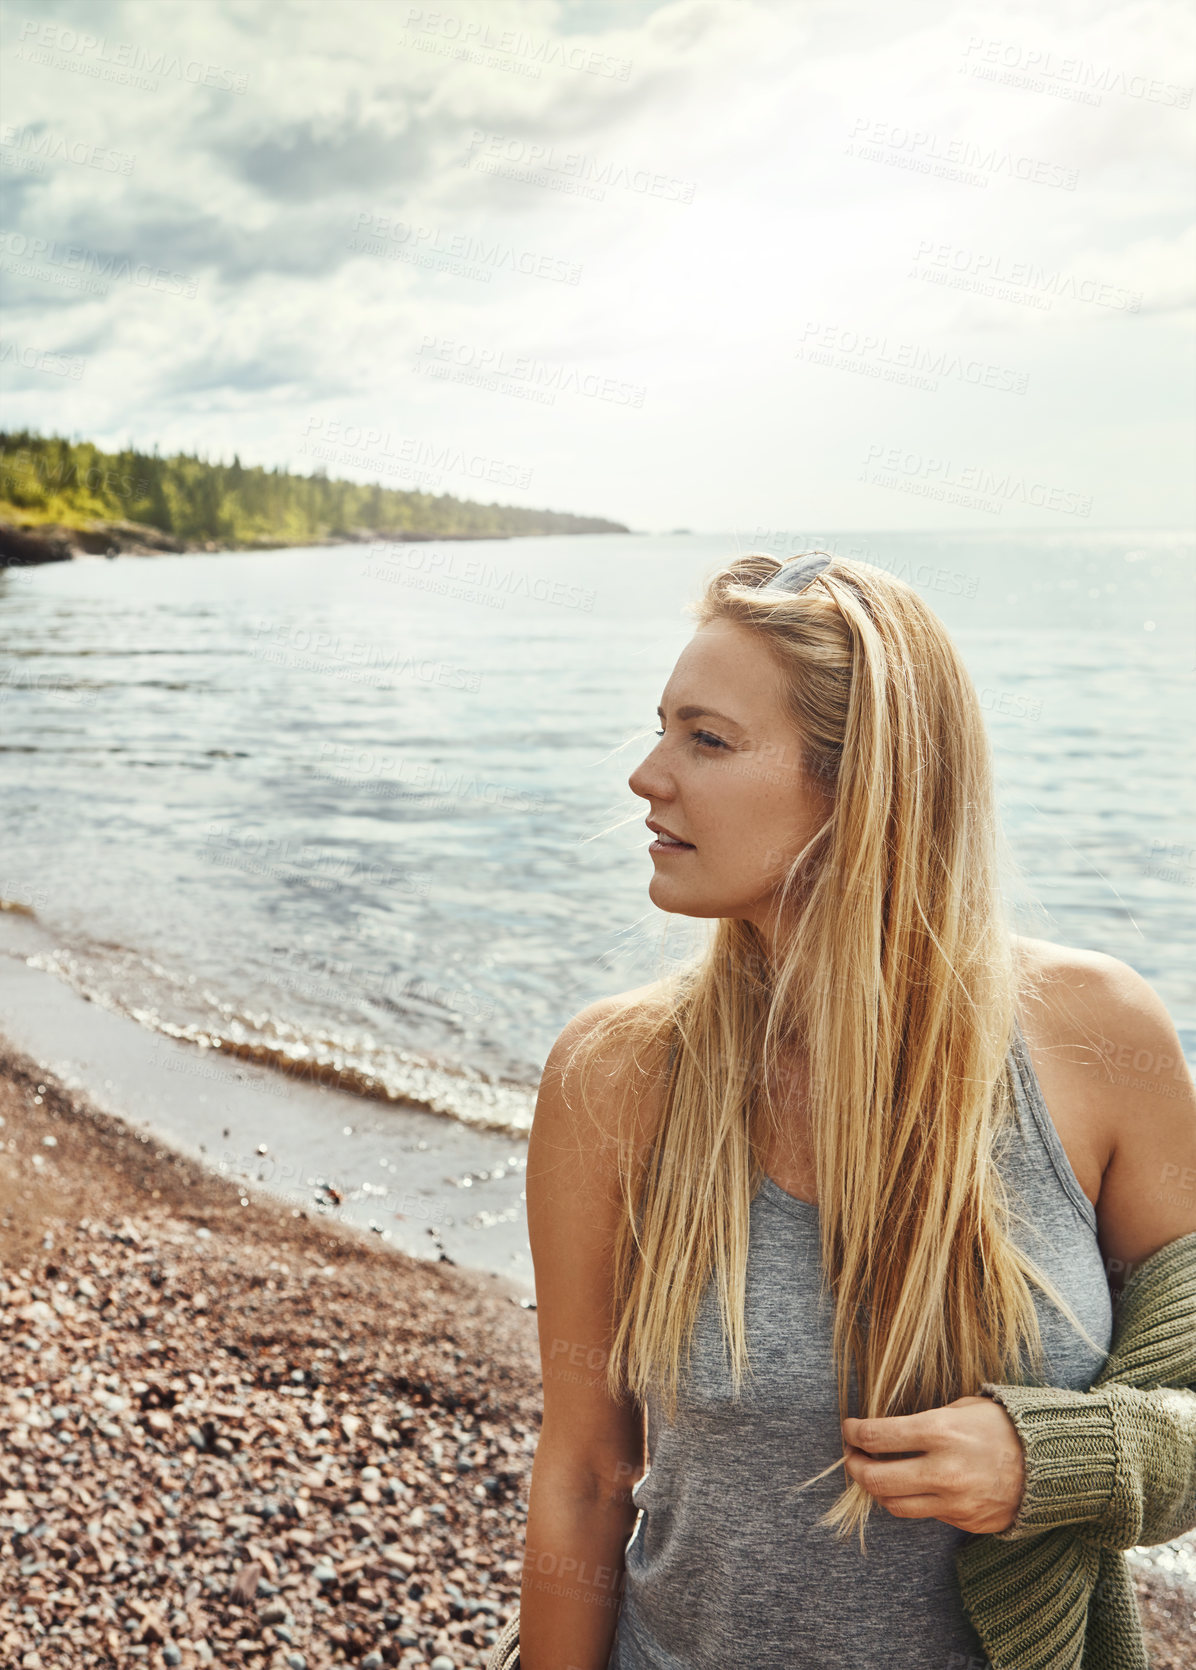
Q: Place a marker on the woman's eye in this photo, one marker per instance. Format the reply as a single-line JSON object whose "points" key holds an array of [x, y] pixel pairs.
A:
{"points": [[704, 738]]}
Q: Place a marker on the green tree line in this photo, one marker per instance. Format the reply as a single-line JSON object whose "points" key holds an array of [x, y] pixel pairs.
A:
{"points": [[48, 479]]}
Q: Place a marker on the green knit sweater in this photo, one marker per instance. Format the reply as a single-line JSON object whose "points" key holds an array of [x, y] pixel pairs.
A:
{"points": [[1107, 1469]]}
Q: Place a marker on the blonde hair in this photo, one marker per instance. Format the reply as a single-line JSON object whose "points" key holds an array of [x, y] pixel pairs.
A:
{"points": [[894, 974]]}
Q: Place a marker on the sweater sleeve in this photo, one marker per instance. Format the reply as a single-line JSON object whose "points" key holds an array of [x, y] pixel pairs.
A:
{"points": [[1117, 1461]]}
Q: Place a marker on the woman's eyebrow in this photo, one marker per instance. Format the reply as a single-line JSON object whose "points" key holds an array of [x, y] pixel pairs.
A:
{"points": [[702, 713]]}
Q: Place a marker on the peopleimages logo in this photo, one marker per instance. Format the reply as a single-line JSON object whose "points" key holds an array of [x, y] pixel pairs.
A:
{"points": [[520, 374], [39, 146], [472, 40], [42, 359], [376, 234], [91, 269], [931, 477], [353, 438], [97, 56], [291, 644], [908, 363], [933, 153], [448, 571], [542, 164], [1035, 67], [991, 273]]}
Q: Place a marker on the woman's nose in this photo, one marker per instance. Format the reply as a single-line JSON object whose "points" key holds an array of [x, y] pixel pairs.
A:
{"points": [[648, 780]]}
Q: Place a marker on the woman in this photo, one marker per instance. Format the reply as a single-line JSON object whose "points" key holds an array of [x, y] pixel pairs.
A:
{"points": [[836, 1114]]}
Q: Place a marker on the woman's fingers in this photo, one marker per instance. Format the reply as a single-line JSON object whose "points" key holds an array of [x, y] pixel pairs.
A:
{"points": [[891, 1475], [903, 1433], [970, 1472]]}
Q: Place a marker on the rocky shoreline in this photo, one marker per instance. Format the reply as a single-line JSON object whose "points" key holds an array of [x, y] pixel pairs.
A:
{"points": [[26, 544], [233, 1432]]}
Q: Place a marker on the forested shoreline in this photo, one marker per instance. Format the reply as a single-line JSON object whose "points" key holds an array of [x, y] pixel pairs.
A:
{"points": [[73, 493]]}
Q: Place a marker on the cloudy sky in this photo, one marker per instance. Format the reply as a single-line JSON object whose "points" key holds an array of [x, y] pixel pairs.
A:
{"points": [[721, 264]]}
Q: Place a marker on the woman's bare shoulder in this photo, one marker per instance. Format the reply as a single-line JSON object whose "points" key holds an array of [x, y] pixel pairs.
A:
{"points": [[1073, 996], [1043, 962], [1067, 994], [610, 1057], [1071, 1005], [615, 1025], [648, 998], [1111, 1067]]}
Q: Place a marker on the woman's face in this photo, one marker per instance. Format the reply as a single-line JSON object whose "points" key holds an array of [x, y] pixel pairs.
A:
{"points": [[726, 778]]}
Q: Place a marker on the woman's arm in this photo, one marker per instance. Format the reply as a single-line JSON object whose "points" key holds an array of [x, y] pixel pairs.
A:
{"points": [[1120, 1462], [1119, 1459], [591, 1448], [578, 1526], [1106, 1470], [1128, 1077]]}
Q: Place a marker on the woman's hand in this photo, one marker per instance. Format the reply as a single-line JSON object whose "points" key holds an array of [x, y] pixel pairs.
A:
{"points": [[963, 1463]]}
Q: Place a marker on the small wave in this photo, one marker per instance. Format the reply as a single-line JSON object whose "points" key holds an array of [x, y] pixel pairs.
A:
{"points": [[354, 1063]]}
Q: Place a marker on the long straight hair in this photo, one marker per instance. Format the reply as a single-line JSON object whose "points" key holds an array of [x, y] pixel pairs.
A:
{"points": [[893, 975]]}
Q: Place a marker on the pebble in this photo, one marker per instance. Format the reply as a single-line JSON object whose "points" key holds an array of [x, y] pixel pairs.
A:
{"points": [[149, 1437]]}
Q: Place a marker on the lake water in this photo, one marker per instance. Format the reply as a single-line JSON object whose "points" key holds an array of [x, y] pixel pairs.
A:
{"points": [[367, 807]]}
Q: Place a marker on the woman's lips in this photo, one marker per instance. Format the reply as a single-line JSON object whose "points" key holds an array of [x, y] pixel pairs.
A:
{"points": [[664, 844]]}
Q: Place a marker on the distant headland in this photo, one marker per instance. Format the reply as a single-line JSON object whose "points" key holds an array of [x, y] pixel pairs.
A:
{"points": [[61, 499]]}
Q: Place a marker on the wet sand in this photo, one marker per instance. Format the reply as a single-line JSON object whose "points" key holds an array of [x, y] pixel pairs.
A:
{"points": [[426, 1183]]}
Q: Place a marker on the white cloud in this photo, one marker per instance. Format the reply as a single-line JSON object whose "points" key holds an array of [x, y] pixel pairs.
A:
{"points": [[769, 218]]}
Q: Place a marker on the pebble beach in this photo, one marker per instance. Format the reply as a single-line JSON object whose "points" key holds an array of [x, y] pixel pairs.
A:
{"points": [[234, 1434]]}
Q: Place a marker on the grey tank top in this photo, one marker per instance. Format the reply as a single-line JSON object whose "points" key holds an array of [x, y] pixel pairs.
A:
{"points": [[725, 1566]]}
